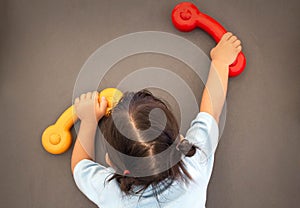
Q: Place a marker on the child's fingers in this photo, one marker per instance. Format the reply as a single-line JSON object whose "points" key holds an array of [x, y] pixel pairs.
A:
{"points": [[239, 48], [103, 105], [237, 43], [76, 100], [226, 36], [233, 38], [95, 95], [82, 96], [88, 95]]}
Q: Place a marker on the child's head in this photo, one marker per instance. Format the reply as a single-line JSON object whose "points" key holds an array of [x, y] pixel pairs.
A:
{"points": [[144, 142]]}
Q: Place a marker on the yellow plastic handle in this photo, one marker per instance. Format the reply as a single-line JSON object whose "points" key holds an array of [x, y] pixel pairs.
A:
{"points": [[57, 138]]}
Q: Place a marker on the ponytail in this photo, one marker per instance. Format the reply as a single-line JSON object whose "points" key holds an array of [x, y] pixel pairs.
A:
{"points": [[186, 148]]}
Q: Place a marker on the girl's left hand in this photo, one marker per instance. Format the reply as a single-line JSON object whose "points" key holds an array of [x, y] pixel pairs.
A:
{"points": [[88, 109]]}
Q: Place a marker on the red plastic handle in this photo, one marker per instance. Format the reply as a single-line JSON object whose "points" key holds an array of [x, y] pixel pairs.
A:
{"points": [[186, 17]]}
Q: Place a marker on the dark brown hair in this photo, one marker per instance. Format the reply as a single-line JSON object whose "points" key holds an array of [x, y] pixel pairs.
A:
{"points": [[133, 130]]}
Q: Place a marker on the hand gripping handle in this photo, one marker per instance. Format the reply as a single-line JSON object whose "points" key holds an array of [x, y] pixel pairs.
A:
{"points": [[186, 17], [57, 138]]}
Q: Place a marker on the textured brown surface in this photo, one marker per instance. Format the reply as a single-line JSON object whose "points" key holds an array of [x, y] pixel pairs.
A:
{"points": [[45, 43]]}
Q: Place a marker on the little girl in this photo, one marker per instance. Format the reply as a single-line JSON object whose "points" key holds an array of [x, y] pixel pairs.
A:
{"points": [[150, 163]]}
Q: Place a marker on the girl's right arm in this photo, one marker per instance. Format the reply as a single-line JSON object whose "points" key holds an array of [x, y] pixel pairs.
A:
{"points": [[222, 56]]}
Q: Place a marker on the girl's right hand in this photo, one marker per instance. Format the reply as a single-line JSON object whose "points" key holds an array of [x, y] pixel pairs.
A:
{"points": [[226, 50]]}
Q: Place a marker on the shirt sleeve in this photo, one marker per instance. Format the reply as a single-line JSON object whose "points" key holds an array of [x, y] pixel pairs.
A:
{"points": [[204, 134], [90, 178]]}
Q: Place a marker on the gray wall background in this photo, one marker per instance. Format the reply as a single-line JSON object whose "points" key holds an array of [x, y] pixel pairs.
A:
{"points": [[45, 43]]}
